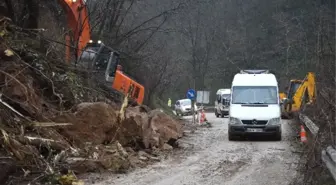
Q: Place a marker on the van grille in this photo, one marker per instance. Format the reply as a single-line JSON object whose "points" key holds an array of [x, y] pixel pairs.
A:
{"points": [[250, 122]]}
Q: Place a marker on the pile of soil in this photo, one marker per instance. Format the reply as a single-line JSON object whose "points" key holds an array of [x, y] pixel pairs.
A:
{"points": [[97, 123], [52, 121]]}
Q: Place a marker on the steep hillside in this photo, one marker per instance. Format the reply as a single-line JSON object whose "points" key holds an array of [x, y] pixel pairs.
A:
{"points": [[53, 123]]}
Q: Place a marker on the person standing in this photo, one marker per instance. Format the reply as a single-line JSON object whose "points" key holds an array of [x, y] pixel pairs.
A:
{"points": [[169, 102]]}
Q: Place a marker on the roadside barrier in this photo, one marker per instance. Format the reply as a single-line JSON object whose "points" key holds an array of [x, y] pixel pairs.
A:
{"points": [[329, 159], [202, 118], [329, 154]]}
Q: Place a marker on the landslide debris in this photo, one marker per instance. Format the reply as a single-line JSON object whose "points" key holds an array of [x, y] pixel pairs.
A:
{"points": [[54, 124]]}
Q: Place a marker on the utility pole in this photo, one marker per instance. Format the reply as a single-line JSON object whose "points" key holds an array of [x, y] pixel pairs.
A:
{"points": [[193, 104], [193, 111], [191, 94]]}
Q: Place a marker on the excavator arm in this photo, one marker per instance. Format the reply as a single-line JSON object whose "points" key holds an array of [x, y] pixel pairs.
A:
{"points": [[305, 92], [78, 22], [311, 86]]}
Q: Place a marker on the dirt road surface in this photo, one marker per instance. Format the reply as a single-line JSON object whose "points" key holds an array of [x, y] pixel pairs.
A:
{"points": [[207, 157]]}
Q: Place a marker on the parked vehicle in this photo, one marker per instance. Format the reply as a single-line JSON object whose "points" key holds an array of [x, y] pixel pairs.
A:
{"points": [[222, 102], [183, 107], [300, 93], [255, 105]]}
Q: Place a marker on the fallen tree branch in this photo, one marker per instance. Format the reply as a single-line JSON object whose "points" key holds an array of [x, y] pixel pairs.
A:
{"points": [[11, 108], [49, 143], [17, 148], [49, 124], [59, 157], [16, 80]]}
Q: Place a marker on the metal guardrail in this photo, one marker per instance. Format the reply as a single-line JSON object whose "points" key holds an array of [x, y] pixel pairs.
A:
{"points": [[312, 127], [328, 154], [329, 158]]}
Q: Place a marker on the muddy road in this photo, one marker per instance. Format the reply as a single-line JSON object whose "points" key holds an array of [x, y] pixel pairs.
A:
{"points": [[207, 157]]}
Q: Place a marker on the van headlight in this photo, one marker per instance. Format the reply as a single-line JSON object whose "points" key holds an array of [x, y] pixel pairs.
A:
{"points": [[274, 121], [234, 121]]}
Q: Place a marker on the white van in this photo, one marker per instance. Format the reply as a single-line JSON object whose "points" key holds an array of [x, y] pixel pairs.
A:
{"points": [[222, 102], [254, 106]]}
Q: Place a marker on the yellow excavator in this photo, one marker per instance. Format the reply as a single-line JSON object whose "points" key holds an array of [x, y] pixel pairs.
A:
{"points": [[299, 94]]}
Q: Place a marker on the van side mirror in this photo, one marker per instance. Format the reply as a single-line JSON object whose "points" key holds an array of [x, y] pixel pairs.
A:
{"points": [[283, 100], [218, 98]]}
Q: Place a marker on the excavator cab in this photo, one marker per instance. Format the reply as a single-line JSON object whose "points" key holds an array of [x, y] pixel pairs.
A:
{"points": [[104, 63], [288, 101], [293, 86], [100, 60]]}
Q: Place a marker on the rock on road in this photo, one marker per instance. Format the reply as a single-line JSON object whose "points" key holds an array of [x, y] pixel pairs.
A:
{"points": [[209, 158]]}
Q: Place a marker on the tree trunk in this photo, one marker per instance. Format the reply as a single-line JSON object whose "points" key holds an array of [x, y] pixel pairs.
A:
{"points": [[31, 11], [9, 12]]}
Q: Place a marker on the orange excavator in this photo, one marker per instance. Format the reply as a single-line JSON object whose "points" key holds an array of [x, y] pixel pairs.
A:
{"points": [[100, 59]]}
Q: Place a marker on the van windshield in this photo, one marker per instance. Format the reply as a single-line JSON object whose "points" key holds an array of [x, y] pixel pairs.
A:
{"points": [[226, 96], [254, 95]]}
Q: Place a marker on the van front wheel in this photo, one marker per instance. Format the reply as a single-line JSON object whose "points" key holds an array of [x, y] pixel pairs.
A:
{"points": [[217, 115], [231, 137], [277, 136]]}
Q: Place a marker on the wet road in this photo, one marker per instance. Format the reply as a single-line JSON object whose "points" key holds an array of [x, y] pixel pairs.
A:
{"points": [[208, 157]]}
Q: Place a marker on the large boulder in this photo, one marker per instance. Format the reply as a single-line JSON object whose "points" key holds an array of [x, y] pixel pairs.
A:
{"points": [[92, 122], [97, 123], [168, 129], [132, 128], [152, 129]]}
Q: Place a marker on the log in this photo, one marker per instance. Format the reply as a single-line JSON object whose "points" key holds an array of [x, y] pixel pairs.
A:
{"points": [[49, 143], [49, 124]]}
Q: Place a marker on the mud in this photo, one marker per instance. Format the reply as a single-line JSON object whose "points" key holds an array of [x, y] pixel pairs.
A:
{"points": [[207, 157]]}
